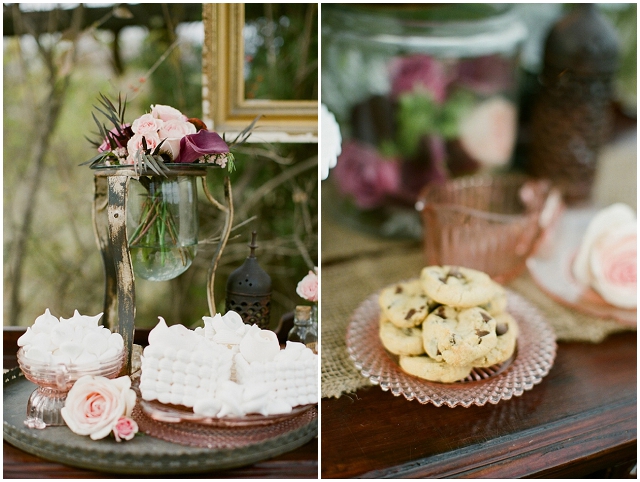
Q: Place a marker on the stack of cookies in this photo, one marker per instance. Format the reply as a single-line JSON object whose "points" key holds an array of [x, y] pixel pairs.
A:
{"points": [[447, 322]]}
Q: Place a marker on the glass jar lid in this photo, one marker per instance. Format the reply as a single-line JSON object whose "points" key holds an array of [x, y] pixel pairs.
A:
{"points": [[446, 30]]}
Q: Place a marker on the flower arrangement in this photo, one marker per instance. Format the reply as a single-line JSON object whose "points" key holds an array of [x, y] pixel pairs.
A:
{"points": [[163, 135], [162, 244], [97, 406]]}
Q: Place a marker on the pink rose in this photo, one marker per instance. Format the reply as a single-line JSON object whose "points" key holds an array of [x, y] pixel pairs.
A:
{"points": [[95, 404], [125, 429], [146, 125], [135, 144], [308, 287], [363, 173], [167, 113], [488, 131], [419, 71], [614, 261], [487, 75], [176, 129]]}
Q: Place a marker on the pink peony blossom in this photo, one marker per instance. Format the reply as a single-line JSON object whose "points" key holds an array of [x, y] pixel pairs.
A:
{"points": [[125, 429], [95, 404], [167, 113], [194, 146], [308, 287], [419, 71], [487, 75], [363, 173], [146, 125]]}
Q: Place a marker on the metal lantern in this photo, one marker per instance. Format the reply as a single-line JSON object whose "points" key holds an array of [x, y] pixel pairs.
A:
{"points": [[249, 290], [122, 250]]}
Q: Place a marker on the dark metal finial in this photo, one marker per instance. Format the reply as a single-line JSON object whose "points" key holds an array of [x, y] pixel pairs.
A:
{"points": [[253, 244]]}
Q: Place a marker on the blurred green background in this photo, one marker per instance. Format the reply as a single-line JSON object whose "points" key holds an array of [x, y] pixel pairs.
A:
{"points": [[56, 62]]}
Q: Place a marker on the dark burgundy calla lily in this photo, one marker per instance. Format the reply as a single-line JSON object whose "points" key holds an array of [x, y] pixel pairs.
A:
{"points": [[194, 146]]}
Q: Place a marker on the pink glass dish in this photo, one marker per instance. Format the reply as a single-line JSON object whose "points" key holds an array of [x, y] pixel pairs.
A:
{"points": [[167, 413], [551, 270], [54, 382], [535, 354], [491, 223]]}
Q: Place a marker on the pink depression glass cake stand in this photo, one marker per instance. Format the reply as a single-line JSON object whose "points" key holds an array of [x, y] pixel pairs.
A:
{"points": [[534, 357]]}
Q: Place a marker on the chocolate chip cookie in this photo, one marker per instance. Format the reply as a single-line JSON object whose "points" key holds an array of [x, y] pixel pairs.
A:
{"points": [[458, 336], [405, 304], [456, 286], [429, 369]]}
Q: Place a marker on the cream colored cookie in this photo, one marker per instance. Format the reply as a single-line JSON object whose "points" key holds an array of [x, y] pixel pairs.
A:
{"points": [[405, 304], [401, 341], [498, 302], [429, 369], [507, 333], [459, 336], [456, 286]]}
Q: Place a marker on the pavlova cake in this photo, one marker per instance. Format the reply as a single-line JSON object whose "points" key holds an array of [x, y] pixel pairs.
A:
{"points": [[227, 369], [446, 323]]}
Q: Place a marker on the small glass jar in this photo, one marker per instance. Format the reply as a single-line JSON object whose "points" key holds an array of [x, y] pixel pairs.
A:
{"points": [[162, 225], [422, 93], [303, 330]]}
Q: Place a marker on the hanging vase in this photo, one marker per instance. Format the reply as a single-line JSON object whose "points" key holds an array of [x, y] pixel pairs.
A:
{"points": [[162, 225]]}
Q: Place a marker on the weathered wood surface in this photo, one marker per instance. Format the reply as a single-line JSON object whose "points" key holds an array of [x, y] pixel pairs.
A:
{"points": [[581, 420]]}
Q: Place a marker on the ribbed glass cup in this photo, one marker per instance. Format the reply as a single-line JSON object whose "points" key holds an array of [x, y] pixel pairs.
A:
{"points": [[491, 223], [54, 381]]}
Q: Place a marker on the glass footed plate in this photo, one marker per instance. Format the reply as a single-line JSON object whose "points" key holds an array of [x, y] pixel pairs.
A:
{"points": [[551, 270], [167, 413], [534, 357]]}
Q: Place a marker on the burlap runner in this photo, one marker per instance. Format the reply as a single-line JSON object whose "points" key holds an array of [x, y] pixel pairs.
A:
{"points": [[355, 266]]}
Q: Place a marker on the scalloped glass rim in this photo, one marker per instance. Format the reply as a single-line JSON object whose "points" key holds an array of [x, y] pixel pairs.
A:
{"points": [[551, 271], [167, 413], [536, 351]]}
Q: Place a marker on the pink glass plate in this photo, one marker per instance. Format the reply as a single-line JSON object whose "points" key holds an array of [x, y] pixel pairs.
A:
{"points": [[228, 437], [536, 351], [551, 270], [166, 413]]}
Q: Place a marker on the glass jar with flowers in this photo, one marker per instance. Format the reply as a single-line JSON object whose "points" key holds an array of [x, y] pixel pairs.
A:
{"points": [[422, 92], [166, 151]]}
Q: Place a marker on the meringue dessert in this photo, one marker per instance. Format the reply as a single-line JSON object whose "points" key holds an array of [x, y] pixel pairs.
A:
{"points": [[78, 341], [227, 369], [607, 258]]}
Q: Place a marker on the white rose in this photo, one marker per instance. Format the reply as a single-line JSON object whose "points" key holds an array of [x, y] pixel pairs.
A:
{"points": [[95, 404]]}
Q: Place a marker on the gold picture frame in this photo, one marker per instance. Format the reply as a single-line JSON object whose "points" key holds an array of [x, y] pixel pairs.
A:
{"points": [[224, 104]]}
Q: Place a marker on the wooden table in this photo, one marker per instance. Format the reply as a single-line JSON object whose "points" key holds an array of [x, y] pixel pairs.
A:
{"points": [[299, 463], [580, 420]]}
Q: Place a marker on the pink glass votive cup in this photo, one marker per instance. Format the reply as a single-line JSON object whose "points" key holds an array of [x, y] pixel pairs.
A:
{"points": [[491, 223]]}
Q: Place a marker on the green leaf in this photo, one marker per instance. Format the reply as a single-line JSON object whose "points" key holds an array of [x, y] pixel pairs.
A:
{"points": [[456, 107], [417, 116]]}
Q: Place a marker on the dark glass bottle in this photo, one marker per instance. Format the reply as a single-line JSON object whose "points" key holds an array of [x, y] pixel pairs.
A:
{"points": [[571, 116]]}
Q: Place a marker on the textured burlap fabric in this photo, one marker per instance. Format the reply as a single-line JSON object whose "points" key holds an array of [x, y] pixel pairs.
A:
{"points": [[354, 266]]}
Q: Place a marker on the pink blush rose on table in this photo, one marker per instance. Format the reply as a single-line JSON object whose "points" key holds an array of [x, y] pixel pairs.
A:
{"points": [[308, 287], [95, 406]]}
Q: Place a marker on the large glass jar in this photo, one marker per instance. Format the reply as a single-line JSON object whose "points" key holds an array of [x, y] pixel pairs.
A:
{"points": [[422, 93], [162, 225]]}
